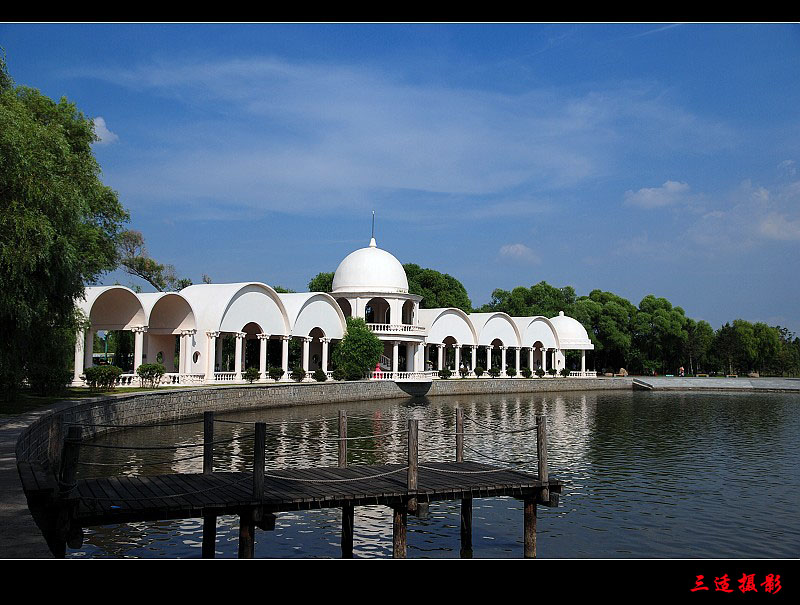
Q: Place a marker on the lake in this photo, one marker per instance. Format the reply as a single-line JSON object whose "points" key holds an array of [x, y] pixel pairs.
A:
{"points": [[646, 475]]}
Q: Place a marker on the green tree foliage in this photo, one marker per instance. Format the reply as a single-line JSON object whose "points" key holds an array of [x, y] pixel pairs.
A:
{"points": [[539, 299], [437, 289], [282, 290], [659, 337], [359, 351], [59, 230], [135, 261], [608, 320], [323, 282]]}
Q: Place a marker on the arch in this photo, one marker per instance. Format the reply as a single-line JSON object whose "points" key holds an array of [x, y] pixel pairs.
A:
{"points": [[168, 313], [493, 326], [318, 310], [377, 311], [408, 312], [539, 329], [258, 304], [441, 323], [114, 308], [344, 305]]}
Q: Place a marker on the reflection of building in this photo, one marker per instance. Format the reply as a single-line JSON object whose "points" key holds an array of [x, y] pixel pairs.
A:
{"points": [[369, 283]]}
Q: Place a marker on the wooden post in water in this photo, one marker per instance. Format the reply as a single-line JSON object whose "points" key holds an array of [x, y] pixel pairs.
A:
{"points": [[209, 521], [67, 480], [247, 517], [348, 510], [541, 456], [342, 439], [529, 528], [466, 502], [399, 520], [413, 463]]}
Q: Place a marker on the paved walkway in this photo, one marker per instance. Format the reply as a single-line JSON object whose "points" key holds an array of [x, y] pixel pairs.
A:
{"points": [[743, 383], [20, 537]]}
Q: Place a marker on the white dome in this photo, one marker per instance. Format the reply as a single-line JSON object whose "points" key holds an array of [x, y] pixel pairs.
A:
{"points": [[571, 333], [370, 269]]}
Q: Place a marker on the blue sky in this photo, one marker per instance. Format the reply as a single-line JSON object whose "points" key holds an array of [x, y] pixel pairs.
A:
{"points": [[637, 158]]}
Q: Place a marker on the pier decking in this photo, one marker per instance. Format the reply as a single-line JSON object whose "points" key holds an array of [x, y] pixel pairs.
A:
{"points": [[64, 505]]}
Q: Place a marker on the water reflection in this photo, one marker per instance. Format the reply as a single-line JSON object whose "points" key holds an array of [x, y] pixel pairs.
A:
{"points": [[646, 475]]}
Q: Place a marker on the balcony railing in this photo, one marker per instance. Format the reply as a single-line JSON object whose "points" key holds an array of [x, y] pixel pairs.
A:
{"points": [[394, 328]]}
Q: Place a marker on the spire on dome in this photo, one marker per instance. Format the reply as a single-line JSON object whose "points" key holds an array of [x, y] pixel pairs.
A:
{"points": [[372, 242]]}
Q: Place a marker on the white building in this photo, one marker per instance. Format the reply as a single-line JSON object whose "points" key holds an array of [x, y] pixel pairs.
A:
{"points": [[369, 283]]}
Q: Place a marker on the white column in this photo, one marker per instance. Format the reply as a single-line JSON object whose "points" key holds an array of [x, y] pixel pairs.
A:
{"points": [[306, 346], [474, 357], [583, 362], [395, 355], [516, 367], [285, 356], [503, 360], [211, 355], [237, 358], [262, 357], [325, 342], [488, 357], [187, 335], [88, 347], [531, 360], [440, 359], [138, 345], [217, 351], [80, 342], [409, 357], [544, 360], [458, 357]]}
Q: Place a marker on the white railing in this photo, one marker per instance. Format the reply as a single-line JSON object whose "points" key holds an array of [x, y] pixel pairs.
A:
{"points": [[396, 328], [224, 376], [402, 375], [586, 374]]}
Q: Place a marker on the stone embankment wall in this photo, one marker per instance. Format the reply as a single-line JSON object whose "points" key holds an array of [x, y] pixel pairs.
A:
{"points": [[41, 441]]}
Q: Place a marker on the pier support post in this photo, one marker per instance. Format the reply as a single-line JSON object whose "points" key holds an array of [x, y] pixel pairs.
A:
{"points": [[541, 456], [529, 528], [247, 530], [399, 522], [413, 463], [67, 480], [247, 518], [348, 516], [342, 439], [466, 501], [209, 521]]}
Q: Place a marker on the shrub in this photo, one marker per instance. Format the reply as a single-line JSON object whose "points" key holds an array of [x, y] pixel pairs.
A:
{"points": [[275, 373], [445, 373], [551, 371], [564, 372], [251, 375], [320, 375], [494, 372], [150, 374], [359, 351], [464, 372], [298, 374], [511, 372], [479, 371], [339, 374], [103, 378], [526, 372], [540, 372]]}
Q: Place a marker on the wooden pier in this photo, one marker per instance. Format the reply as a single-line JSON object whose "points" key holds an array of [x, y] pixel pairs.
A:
{"points": [[256, 497]]}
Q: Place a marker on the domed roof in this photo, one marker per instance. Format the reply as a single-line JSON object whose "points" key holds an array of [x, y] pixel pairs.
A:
{"points": [[571, 333], [370, 269]]}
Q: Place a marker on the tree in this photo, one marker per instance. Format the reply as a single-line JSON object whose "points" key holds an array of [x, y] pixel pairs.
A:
{"points": [[437, 289], [359, 351], [539, 299], [59, 230], [323, 282], [135, 261]]}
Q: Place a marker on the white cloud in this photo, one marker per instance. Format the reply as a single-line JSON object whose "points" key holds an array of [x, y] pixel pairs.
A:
{"points": [[777, 226], [669, 194], [102, 131], [520, 252], [788, 168]]}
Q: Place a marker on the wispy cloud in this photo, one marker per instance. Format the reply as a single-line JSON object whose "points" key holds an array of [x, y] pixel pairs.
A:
{"points": [[670, 193], [520, 252], [282, 135]]}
